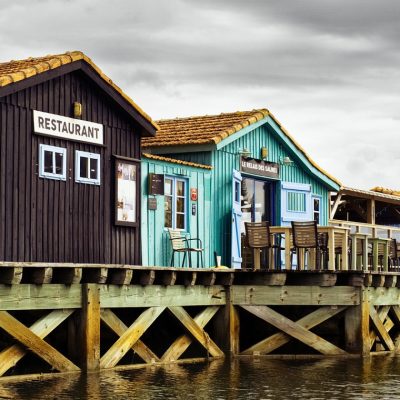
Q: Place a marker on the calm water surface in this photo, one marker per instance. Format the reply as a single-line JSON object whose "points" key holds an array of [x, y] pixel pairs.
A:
{"points": [[376, 378]]}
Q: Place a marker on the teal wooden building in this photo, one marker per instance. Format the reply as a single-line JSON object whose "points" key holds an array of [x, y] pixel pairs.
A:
{"points": [[259, 173], [175, 194]]}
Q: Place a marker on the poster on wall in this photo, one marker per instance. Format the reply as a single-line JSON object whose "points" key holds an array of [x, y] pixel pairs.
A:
{"points": [[126, 193]]}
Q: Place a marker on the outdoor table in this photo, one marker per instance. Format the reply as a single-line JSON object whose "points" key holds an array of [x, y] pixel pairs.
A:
{"points": [[363, 238], [375, 244], [332, 231]]}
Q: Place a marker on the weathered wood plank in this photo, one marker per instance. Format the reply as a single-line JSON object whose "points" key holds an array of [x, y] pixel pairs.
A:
{"points": [[120, 276], [94, 275], [308, 322], [179, 346], [68, 276], [382, 314], [42, 327], [111, 358], [116, 325], [11, 275], [294, 330], [295, 295], [380, 329], [43, 297], [41, 348], [90, 326], [198, 333], [113, 296], [384, 296], [206, 278]]}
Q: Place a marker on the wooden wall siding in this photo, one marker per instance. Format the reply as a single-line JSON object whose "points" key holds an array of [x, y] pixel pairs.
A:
{"points": [[62, 221], [156, 247]]}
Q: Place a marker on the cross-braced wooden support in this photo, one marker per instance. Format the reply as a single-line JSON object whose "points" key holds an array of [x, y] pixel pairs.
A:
{"points": [[32, 339], [299, 330]]}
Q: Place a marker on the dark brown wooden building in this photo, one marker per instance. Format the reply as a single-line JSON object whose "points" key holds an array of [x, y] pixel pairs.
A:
{"points": [[69, 163]]}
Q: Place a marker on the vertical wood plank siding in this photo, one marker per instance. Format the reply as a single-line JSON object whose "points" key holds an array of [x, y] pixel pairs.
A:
{"points": [[62, 221], [227, 159], [156, 247]]}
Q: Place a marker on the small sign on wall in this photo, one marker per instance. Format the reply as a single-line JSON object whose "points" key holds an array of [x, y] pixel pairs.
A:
{"points": [[193, 194], [152, 203], [156, 184]]}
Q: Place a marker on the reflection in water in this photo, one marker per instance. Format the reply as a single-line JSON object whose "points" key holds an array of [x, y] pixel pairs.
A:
{"points": [[260, 378]]}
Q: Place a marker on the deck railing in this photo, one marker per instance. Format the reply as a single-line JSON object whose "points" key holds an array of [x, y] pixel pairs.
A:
{"points": [[381, 231]]}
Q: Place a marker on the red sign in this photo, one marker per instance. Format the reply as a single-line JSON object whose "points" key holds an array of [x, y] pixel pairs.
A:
{"points": [[193, 194]]}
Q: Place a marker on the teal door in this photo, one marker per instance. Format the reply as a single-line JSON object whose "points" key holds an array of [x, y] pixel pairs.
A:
{"points": [[236, 252]]}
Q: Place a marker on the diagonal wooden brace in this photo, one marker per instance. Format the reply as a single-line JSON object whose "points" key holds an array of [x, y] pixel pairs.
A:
{"points": [[116, 325], [279, 339], [295, 330], [380, 329], [33, 342], [196, 331], [179, 346], [130, 337]]}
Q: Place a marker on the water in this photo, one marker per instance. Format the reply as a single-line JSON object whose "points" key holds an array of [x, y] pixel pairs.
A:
{"points": [[376, 378]]}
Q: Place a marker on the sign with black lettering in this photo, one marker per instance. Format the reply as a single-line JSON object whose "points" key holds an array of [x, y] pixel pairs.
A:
{"points": [[156, 184], [67, 128], [259, 167]]}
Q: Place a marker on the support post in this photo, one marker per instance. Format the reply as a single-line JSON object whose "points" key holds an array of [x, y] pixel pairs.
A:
{"points": [[227, 326], [90, 323], [357, 332]]}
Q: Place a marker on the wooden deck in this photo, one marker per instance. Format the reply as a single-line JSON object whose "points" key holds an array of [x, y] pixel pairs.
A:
{"points": [[71, 317]]}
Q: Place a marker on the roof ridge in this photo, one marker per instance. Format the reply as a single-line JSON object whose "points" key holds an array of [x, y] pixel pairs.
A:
{"points": [[38, 65]]}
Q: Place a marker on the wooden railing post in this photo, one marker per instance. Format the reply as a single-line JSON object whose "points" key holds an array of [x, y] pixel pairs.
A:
{"points": [[90, 327], [357, 336]]}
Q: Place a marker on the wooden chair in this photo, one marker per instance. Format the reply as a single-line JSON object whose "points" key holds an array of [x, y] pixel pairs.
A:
{"points": [[258, 236], [181, 244], [393, 255], [305, 237]]}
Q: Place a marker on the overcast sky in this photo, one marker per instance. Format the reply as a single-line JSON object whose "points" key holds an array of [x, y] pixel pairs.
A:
{"points": [[329, 70]]}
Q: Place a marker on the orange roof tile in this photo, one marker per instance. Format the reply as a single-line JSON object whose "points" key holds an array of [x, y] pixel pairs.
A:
{"points": [[203, 129], [15, 71], [391, 192], [175, 161], [213, 129]]}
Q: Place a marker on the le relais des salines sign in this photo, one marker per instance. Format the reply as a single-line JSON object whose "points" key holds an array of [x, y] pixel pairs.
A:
{"points": [[259, 167], [67, 128]]}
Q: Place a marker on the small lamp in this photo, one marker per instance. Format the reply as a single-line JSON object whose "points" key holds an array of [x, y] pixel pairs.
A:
{"points": [[77, 110], [244, 152], [264, 153], [285, 160]]}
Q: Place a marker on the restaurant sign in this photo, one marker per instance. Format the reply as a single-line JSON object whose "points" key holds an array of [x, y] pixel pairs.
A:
{"points": [[67, 128], [259, 167]]}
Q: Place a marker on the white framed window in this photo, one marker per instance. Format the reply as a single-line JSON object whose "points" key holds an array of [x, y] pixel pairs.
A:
{"points": [[87, 167], [175, 203], [52, 162], [316, 209]]}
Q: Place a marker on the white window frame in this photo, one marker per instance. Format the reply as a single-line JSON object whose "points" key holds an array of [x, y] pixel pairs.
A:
{"points": [[175, 197], [313, 198], [91, 156], [54, 150]]}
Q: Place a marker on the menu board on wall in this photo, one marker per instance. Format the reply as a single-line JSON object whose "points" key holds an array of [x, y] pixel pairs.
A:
{"points": [[126, 193]]}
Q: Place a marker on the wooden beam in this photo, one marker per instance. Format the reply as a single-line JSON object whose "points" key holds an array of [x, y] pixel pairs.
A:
{"points": [[120, 276], [335, 205], [11, 275], [31, 341], [90, 327], [380, 329], [308, 322], [116, 325], [295, 295], [198, 333], [180, 345], [42, 327], [111, 358], [113, 296], [291, 328], [68, 276], [95, 275], [382, 314]]}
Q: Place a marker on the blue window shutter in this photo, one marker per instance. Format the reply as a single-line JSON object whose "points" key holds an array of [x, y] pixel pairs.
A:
{"points": [[295, 202]]}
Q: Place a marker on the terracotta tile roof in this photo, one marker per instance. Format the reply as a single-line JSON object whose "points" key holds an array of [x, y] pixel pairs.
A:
{"points": [[15, 71], [175, 161], [203, 129], [391, 192], [213, 129]]}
